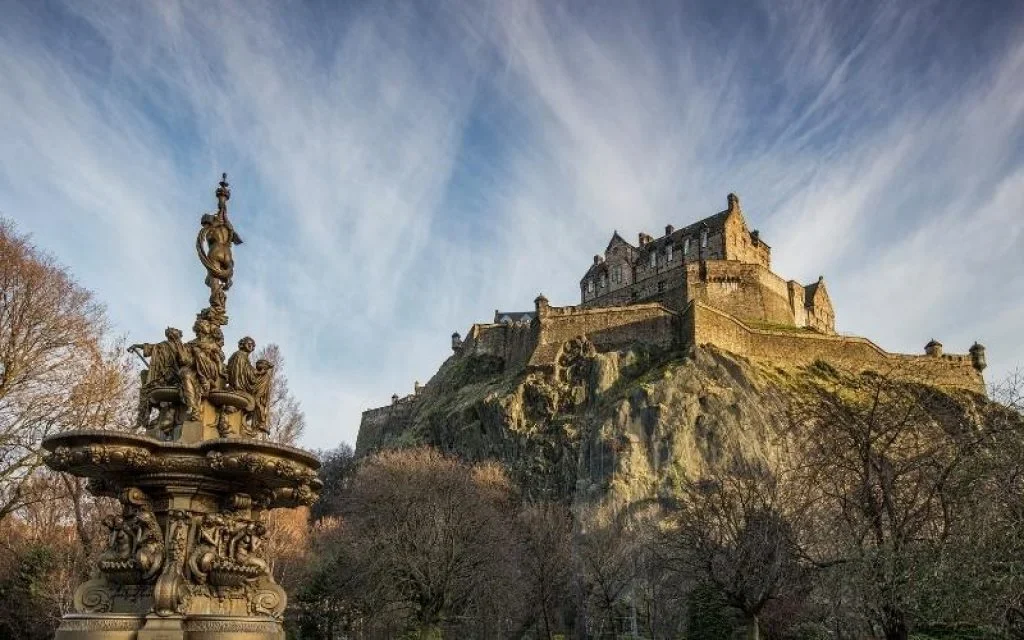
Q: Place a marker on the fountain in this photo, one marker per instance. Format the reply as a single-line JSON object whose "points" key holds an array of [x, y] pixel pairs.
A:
{"points": [[187, 557]]}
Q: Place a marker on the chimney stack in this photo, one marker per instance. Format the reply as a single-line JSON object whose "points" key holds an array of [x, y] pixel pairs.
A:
{"points": [[669, 229]]}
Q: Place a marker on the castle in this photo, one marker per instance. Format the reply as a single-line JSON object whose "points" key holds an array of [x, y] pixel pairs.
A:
{"points": [[708, 283], [718, 261]]}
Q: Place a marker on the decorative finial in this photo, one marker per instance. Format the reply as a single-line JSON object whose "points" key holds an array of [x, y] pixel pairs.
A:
{"points": [[734, 201], [223, 193]]}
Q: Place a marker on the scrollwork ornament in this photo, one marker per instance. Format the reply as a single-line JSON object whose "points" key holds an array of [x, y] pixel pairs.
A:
{"points": [[267, 598], [93, 596]]}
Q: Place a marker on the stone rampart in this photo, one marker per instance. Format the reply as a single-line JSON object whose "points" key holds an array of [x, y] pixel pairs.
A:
{"points": [[606, 327], [382, 424], [513, 343], [702, 324]]}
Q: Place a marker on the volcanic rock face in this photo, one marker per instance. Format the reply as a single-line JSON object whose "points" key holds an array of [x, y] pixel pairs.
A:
{"points": [[617, 427]]}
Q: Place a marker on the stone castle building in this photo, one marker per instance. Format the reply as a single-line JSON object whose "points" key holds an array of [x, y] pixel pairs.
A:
{"points": [[709, 283], [718, 261]]}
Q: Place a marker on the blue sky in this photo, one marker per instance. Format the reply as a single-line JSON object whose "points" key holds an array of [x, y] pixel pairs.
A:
{"points": [[400, 170]]}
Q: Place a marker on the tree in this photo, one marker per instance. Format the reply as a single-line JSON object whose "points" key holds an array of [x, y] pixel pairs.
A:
{"points": [[54, 371], [286, 421], [433, 539], [732, 534], [545, 561], [608, 564], [336, 467], [892, 465]]}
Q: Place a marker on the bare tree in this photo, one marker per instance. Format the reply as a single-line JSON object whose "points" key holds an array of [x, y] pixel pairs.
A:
{"points": [[286, 421], [888, 461], [336, 468], [545, 561], [434, 536], [732, 532], [607, 555], [54, 371]]}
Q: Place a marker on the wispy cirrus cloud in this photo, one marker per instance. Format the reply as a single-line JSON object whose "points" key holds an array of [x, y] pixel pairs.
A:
{"points": [[400, 170]]}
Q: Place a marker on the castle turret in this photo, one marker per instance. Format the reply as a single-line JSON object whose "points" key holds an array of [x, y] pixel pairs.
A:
{"points": [[540, 303], [977, 352], [933, 348]]}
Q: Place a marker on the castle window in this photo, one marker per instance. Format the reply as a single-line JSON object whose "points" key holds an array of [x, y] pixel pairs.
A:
{"points": [[704, 238], [686, 246], [668, 253], [590, 286], [604, 281], [617, 274], [654, 259], [661, 287]]}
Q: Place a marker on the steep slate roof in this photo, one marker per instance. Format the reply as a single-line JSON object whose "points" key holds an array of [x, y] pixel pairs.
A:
{"points": [[615, 236], [713, 223], [513, 316], [595, 269]]}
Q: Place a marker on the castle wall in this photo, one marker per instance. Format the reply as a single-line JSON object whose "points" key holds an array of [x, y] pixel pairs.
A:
{"points": [[513, 343], [379, 426], [820, 315], [795, 291], [606, 327], [706, 325], [747, 291]]}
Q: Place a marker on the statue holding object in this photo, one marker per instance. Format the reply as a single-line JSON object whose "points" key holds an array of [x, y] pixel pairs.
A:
{"points": [[254, 382]]}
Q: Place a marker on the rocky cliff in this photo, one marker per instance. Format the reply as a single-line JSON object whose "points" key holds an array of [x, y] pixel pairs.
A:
{"points": [[624, 426]]}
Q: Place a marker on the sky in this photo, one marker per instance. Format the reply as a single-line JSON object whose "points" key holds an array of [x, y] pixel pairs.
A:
{"points": [[400, 170]]}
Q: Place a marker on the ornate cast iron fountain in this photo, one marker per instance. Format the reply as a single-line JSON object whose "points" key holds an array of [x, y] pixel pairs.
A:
{"points": [[186, 559]]}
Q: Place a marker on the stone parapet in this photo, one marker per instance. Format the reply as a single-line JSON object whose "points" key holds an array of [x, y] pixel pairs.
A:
{"points": [[703, 324]]}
